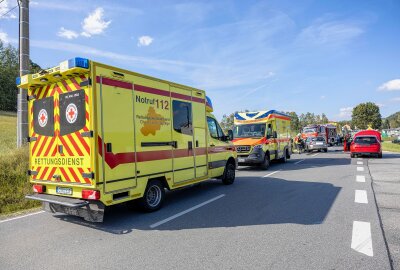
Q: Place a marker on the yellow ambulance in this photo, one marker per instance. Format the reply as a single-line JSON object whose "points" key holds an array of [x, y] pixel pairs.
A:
{"points": [[260, 137], [101, 135]]}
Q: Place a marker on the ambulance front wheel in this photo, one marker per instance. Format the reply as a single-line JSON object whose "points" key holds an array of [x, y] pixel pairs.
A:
{"points": [[229, 174], [153, 197]]}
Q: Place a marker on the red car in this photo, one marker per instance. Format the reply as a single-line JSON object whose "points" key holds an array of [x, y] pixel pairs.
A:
{"points": [[366, 142]]}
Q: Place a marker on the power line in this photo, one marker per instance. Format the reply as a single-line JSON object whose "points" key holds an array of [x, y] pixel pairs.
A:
{"points": [[8, 11]]}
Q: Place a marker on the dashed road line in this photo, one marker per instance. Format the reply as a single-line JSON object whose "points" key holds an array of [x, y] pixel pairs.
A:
{"points": [[361, 240], [271, 173], [314, 155], [360, 169], [360, 163], [152, 226], [299, 161], [360, 178], [360, 196], [19, 217]]}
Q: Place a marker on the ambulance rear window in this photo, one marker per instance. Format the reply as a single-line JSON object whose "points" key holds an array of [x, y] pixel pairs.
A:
{"points": [[72, 111], [182, 117], [43, 116]]}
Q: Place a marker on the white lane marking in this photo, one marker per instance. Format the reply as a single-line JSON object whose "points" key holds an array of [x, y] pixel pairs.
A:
{"points": [[359, 158], [28, 215], [299, 161], [314, 155], [360, 196], [152, 226], [360, 163], [360, 169], [271, 173], [360, 178], [361, 240]]}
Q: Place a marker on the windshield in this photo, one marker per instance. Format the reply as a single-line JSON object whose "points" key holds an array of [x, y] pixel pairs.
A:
{"points": [[309, 130], [250, 130]]}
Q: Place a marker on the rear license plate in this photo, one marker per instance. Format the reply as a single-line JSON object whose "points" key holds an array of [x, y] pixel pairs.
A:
{"points": [[319, 143], [64, 190], [241, 159]]}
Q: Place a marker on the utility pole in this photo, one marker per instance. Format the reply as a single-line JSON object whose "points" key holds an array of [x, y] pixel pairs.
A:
{"points": [[22, 103]]}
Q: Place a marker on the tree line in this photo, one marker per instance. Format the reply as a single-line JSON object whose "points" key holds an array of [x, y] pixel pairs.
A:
{"points": [[364, 115], [9, 71]]}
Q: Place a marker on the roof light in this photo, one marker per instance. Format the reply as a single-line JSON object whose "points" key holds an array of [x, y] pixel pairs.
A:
{"points": [[57, 75], [78, 62], [18, 81], [43, 80]]}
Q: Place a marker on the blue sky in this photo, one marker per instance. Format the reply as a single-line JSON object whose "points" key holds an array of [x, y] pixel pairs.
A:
{"points": [[306, 55]]}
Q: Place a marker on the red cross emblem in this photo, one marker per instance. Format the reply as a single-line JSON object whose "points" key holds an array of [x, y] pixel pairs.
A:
{"points": [[42, 117], [71, 113]]}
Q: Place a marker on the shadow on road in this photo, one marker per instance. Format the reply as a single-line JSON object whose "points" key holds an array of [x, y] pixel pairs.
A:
{"points": [[250, 201]]}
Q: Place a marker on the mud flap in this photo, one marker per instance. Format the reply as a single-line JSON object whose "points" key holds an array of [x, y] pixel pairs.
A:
{"points": [[92, 212]]}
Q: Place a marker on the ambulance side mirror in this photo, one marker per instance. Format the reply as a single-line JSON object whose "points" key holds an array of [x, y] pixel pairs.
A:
{"points": [[230, 135]]}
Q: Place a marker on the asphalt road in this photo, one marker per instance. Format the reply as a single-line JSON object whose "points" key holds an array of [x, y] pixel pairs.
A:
{"points": [[315, 212]]}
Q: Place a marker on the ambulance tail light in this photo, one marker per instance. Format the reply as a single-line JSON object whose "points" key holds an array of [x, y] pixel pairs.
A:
{"points": [[90, 194], [39, 188]]}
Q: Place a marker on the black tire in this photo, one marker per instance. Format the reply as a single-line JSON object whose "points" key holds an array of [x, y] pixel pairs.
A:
{"points": [[153, 196], [326, 150], [266, 163], [380, 155], [352, 155], [287, 154], [284, 158], [229, 174]]}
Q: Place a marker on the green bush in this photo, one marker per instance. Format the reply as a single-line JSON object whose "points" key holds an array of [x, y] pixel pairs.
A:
{"points": [[14, 182]]}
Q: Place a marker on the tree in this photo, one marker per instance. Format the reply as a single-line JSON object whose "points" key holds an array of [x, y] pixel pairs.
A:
{"points": [[386, 124], [9, 71], [227, 122], [365, 114], [324, 119]]}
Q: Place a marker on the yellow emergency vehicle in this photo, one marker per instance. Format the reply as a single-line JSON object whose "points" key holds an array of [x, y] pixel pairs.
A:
{"points": [[260, 137], [101, 135]]}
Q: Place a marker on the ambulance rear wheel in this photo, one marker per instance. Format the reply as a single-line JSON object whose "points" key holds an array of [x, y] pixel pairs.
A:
{"points": [[153, 197], [229, 174]]}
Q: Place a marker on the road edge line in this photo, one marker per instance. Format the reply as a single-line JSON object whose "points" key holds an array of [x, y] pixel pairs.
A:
{"points": [[19, 217]]}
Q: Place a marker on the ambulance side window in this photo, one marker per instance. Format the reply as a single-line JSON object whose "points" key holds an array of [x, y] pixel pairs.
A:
{"points": [[215, 130], [72, 111], [43, 116], [182, 117]]}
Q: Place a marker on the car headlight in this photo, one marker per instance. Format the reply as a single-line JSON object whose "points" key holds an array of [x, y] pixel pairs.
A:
{"points": [[258, 146]]}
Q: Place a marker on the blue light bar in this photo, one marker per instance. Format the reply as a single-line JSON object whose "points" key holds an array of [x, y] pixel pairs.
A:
{"points": [[18, 81], [78, 62], [208, 102]]}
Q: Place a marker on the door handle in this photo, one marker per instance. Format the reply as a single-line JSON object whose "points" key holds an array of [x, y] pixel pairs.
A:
{"points": [[109, 147], [60, 149]]}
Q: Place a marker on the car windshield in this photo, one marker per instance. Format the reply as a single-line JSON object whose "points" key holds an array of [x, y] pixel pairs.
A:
{"points": [[309, 130], [320, 139], [249, 130], [366, 140]]}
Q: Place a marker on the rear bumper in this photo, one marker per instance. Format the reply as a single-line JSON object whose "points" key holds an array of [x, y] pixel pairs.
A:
{"points": [[92, 211], [366, 153], [316, 147]]}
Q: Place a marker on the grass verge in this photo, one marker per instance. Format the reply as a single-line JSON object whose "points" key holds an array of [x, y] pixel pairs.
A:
{"points": [[8, 132], [14, 182], [391, 147]]}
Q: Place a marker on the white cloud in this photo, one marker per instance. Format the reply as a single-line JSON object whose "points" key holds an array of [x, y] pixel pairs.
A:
{"points": [[345, 112], [396, 99], [7, 5], [144, 41], [329, 33], [4, 37], [94, 24], [392, 85], [323, 97], [68, 34]]}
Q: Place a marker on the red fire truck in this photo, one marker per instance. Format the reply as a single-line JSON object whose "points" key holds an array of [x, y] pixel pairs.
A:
{"points": [[328, 131]]}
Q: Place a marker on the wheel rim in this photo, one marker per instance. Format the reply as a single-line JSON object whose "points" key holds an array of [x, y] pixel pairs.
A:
{"points": [[153, 197], [230, 173]]}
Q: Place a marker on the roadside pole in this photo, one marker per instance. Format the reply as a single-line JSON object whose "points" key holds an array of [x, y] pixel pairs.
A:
{"points": [[22, 103]]}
